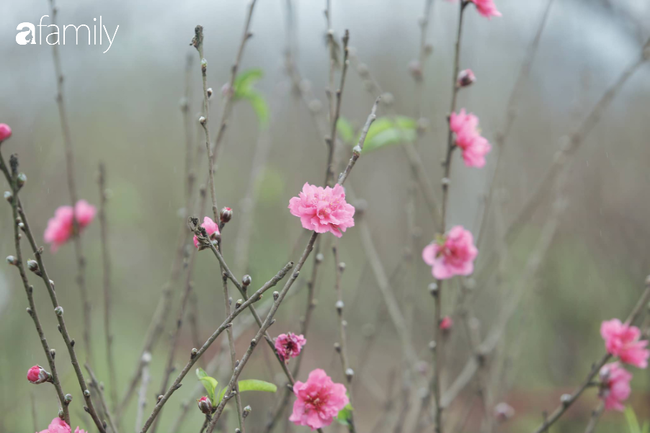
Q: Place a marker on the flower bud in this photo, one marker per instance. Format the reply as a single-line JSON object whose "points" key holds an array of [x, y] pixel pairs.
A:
{"points": [[246, 412], [565, 399], [202, 120], [503, 412], [58, 311], [12, 260], [37, 375], [32, 265], [209, 92], [21, 179], [226, 215], [9, 196], [205, 405], [246, 280], [465, 78], [415, 69], [5, 132]]}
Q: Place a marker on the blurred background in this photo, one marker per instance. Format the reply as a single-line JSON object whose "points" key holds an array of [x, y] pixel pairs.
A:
{"points": [[125, 110]]}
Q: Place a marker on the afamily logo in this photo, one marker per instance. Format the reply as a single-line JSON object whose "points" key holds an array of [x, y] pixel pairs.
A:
{"points": [[30, 34]]}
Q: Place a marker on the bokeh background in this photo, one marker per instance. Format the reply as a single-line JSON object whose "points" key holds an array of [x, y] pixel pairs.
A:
{"points": [[125, 110]]}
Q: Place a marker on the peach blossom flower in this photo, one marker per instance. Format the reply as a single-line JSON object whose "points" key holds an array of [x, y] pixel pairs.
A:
{"points": [[487, 8], [59, 426], [289, 345], [451, 254], [468, 138], [323, 209], [318, 400], [465, 78], [60, 228], [623, 340], [211, 228], [5, 132], [615, 387]]}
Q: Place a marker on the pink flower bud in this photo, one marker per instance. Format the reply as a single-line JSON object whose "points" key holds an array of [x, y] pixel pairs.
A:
{"points": [[37, 374], [205, 405], [446, 323], [226, 215], [503, 411], [5, 132], [466, 78]]}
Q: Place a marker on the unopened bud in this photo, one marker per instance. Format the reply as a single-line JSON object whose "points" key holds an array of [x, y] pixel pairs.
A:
{"points": [[87, 393], [202, 120], [193, 352], [9, 196], [433, 289], [246, 412], [32, 265], [246, 280], [5, 132], [205, 405], [319, 257], [226, 215], [415, 69], [565, 399], [12, 260], [339, 306], [38, 375], [67, 399], [21, 179], [349, 373], [239, 303], [58, 311], [276, 295], [503, 412], [465, 78], [209, 92]]}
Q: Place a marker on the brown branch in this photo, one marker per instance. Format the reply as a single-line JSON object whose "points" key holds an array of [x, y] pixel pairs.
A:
{"points": [[94, 383], [72, 187], [29, 289], [49, 284]]}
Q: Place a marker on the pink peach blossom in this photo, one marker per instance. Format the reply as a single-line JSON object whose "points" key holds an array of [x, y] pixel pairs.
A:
{"points": [[446, 323], [451, 254], [38, 375], [5, 132], [323, 209], [615, 387], [468, 138], [318, 400], [60, 228], [487, 8], [211, 228], [623, 340], [59, 426], [289, 345]]}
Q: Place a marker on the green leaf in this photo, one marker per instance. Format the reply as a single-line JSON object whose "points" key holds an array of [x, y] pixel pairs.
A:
{"points": [[260, 106], [209, 383], [632, 421], [244, 82], [345, 415], [345, 130], [251, 385], [387, 131]]}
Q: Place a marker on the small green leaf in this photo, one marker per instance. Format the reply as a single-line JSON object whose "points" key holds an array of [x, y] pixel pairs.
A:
{"points": [[209, 383], [245, 80], [345, 130], [387, 131], [345, 415], [632, 421], [259, 105], [251, 385]]}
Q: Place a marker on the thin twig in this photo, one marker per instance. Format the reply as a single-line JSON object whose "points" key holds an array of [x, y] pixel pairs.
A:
{"points": [[595, 417], [106, 263], [94, 383], [195, 356], [72, 187], [49, 284], [29, 289], [142, 394]]}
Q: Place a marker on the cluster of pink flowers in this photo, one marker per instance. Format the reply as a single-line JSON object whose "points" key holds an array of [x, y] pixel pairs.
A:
{"points": [[323, 209], [211, 228], [59, 426], [60, 228], [289, 345], [451, 254], [469, 139], [623, 341], [318, 401]]}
